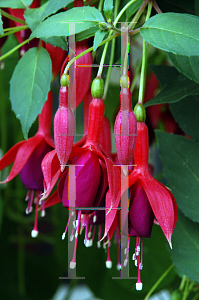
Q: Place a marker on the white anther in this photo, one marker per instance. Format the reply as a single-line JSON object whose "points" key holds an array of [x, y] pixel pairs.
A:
{"points": [[94, 219], [43, 213], [98, 244], [139, 286], [134, 256], [72, 265], [136, 263], [125, 250], [34, 233], [71, 238], [118, 267], [90, 235], [109, 264], [89, 243], [125, 262]]}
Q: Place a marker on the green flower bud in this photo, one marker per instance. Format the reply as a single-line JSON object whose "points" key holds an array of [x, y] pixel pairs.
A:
{"points": [[124, 82], [140, 112], [65, 80], [97, 88]]}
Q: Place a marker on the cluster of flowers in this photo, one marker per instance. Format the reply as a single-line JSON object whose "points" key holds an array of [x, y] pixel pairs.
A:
{"points": [[101, 177]]}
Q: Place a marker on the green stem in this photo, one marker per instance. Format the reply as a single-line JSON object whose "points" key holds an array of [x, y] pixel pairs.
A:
{"points": [[186, 290], [182, 282], [88, 50], [117, 4], [15, 30], [5, 14], [122, 11], [158, 282], [138, 14], [14, 49], [99, 73], [100, 5], [144, 63], [156, 7]]}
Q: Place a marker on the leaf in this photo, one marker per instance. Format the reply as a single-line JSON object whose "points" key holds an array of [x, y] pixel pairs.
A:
{"points": [[186, 114], [34, 16], [15, 3], [188, 65], [87, 33], [108, 9], [58, 25], [57, 41], [185, 250], [175, 90], [133, 7], [1, 26], [179, 156], [99, 36], [54, 6], [29, 86], [173, 32]]}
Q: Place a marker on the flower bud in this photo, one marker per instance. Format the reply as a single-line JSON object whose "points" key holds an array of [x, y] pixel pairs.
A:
{"points": [[97, 88], [125, 130], [65, 80], [140, 112], [64, 128]]}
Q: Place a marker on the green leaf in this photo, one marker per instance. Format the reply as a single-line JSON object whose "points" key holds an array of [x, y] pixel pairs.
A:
{"points": [[58, 25], [34, 16], [54, 6], [1, 26], [133, 7], [185, 250], [175, 90], [108, 9], [188, 65], [57, 41], [172, 32], [186, 114], [15, 3], [99, 36], [87, 33], [179, 156], [29, 86]]}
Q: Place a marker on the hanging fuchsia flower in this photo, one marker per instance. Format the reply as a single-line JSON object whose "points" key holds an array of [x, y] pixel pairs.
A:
{"points": [[148, 199], [27, 157]]}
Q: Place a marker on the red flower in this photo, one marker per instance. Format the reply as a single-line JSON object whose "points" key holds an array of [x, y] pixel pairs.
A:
{"points": [[27, 157], [148, 198]]}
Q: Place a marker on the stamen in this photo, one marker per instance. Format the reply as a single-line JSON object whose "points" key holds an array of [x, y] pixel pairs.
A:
{"points": [[118, 256], [108, 261], [34, 232], [73, 262], [127, 252], [30, 201], [64, 234], [139, 283], [99, 236]]}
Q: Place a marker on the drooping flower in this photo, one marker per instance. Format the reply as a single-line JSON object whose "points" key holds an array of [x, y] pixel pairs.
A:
{"points": [[148, 198], [27, 157]]}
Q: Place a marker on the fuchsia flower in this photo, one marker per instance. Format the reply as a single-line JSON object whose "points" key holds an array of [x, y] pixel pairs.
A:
{"points": [[27, 157], [148, 198]]}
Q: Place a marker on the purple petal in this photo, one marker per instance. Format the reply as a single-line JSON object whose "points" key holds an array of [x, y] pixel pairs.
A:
{"points": [[31, 174], [141, 215], [88, 174]]}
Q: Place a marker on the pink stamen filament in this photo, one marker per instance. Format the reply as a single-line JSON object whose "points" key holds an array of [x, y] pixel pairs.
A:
{"points": [[64, 234], [34, 232], [30, 201], [73, 261], [127, 252], [99, 235], [108, 261]]}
